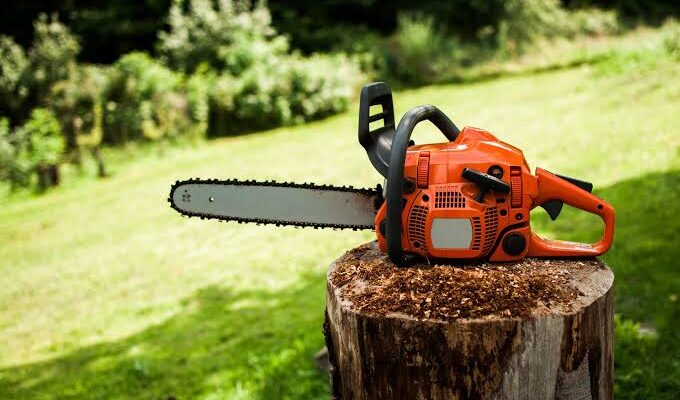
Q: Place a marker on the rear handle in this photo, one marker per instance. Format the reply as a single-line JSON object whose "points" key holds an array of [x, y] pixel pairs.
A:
{"points": [[552, 187]]}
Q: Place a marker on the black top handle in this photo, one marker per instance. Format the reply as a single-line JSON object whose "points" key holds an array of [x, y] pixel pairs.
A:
{"points": [[395, 173], [377, 142]]}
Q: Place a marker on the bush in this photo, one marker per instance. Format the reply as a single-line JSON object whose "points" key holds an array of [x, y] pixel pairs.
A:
{"points": [[138, 89], [283, 91], [243, 76], [34, 148], [13, 67], [594, 22], [419, 53], [525, 21], [198, 87], [52, 55], [231, 37], [671, 41], [26, 77], [74, 100], [6, 151]]}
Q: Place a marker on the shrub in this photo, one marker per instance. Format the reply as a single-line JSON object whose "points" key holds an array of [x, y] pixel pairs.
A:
{"points": [[52, 55], [243, 77], [34, 148], [321, 85], [26, 77], [45, 144], [78, 104], [6, 151], [228, 35], [594, 22], [134, 95], [287, 90], [525, 21], [13, 67], [671, 41], [74, 99], [419, 53]]}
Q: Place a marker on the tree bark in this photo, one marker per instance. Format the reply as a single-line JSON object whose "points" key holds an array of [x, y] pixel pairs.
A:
{"points": [[48, 176], [536, 329], [99, 159]]}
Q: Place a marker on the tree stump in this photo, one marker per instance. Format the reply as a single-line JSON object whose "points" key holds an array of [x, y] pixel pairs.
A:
{"points": [[535, 329]]}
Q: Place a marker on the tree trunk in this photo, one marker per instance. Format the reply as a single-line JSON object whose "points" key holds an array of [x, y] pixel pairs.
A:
{"points": [[48, 176], [101, 167], [535, 329]]}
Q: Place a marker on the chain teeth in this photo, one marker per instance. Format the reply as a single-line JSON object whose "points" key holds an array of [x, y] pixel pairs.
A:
{"points": [[377, 193]]}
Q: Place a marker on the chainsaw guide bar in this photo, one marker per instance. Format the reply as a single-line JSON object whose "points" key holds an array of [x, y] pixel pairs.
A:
{"points": [[277, 203]]}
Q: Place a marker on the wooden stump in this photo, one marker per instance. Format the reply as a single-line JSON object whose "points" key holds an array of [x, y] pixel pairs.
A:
{"points": [[536, 329]]}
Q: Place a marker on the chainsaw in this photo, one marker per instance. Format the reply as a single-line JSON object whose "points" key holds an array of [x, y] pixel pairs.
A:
{"points": [[467, 198]]}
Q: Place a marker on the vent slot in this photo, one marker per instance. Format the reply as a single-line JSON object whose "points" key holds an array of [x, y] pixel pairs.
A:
{"points": [[490, 228], [449, 197], [416, 227], [476, 233]]}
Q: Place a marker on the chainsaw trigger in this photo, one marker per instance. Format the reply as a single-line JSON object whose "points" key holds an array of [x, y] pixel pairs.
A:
{"points": [[553, 207]]}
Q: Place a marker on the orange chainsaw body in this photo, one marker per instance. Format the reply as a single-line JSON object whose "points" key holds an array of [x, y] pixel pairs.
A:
{"points": [[443, 217]]}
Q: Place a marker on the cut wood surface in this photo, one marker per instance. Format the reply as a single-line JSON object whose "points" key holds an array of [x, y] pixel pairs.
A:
{"points": [[535, 329]]}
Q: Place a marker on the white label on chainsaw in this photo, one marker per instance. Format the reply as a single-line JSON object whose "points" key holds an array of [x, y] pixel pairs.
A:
{"points": [[451, 233]]}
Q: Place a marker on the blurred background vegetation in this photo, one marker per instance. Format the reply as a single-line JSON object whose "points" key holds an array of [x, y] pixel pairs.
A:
{"points": [[106, 294], [161, 71]]}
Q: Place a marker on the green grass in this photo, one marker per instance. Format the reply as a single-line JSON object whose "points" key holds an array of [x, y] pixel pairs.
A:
{"points": [[106, 292]]}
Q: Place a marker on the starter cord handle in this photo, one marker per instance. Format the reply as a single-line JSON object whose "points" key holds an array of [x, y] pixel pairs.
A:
{"points": [[395, 173]]}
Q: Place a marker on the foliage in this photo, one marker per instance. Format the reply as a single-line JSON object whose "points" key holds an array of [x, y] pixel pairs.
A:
{"points": [[243, 76], [419, 52], [525, 21], [52, 55], [593, 22], [671, 41], [26, 76], [229, 35], [112, 28], [44, 143], [74, 101], [13, 66], [6, 151], [36, 145], [138, 89], [283, 91], [198, 86]]}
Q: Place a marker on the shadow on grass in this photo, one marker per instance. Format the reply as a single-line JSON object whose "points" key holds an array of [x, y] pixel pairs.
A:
{"points": [[645, 258], [255, 344], [224, 344]]}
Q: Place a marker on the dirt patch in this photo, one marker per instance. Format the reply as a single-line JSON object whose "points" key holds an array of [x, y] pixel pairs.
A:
{"points": [[365, 277]]}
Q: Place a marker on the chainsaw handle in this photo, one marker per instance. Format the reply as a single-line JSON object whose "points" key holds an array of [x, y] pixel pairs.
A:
{"points": [[552, 187], [395, 173]]}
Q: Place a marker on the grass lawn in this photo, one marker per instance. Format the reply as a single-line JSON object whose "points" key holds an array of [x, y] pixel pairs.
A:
{"points": [[107, 293]]}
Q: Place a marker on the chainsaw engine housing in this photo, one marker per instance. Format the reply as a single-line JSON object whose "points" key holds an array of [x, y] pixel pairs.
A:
{"points": [[441, 217]]}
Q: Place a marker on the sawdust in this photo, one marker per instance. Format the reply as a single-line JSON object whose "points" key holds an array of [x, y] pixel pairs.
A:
{"points": [[376, 287]]}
